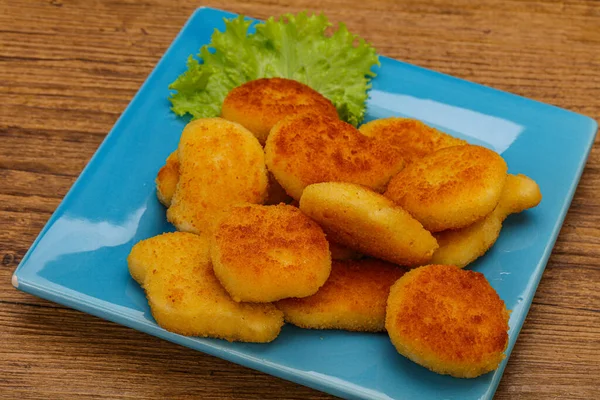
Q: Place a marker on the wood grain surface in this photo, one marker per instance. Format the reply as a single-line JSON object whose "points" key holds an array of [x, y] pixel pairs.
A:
{"points": [[69, 68]]}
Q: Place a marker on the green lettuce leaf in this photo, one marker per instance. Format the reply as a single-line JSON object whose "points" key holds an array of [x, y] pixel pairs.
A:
{"points": [[337, 64]]}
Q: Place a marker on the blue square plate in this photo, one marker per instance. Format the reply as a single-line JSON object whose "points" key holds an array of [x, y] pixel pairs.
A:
{"points": [[79, 259]]}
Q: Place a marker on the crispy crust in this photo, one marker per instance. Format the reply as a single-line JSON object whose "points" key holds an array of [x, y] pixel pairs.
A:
{"points": [[259, 104], [185, 297], [167, 178], [461, 247], [267, 253], [448, 320], [306, 149], [368, 222], [520, 193], [411, 137], [450, 188], [353, 298], [221, 164]]}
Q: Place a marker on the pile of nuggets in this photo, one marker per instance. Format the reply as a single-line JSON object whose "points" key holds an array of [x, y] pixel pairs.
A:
{"points": [[330, 227]]}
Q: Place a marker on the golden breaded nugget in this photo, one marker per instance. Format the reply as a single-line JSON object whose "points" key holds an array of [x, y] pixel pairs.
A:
{"points": [[450, 188], [449, 320], [267, 253], [412, 137], [341, 252], [260, 104], [167, 178], [461, 247], [520, 193], [185, 297], [220, 164], [368, 222], [310, 148], [353, 298]]}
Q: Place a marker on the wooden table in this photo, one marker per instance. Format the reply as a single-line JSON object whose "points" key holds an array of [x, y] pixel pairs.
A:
{"points": [[69, 68]]}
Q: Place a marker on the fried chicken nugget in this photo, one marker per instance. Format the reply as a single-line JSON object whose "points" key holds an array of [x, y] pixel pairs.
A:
{"points": [[449, 320], [353, 298], [311, 148], [411, 137], [368, 222], [185, 297], [259, 104], [220, 164], [461, 247], [450, 188], [267, 253], [168, 176]]}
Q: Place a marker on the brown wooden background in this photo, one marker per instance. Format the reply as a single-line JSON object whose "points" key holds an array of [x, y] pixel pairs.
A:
{"points": [[69, 68]]}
